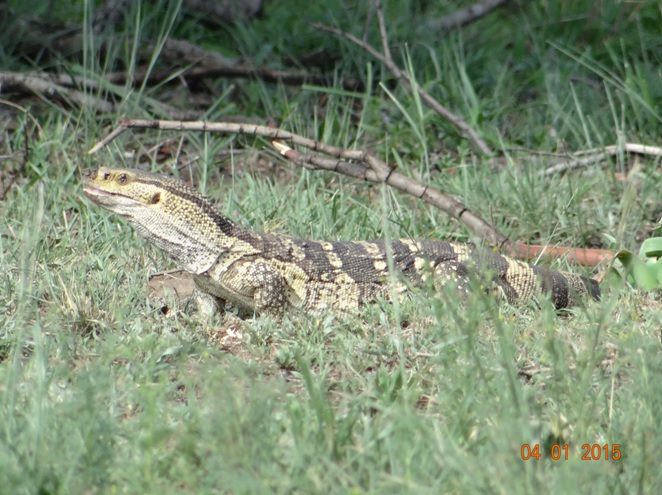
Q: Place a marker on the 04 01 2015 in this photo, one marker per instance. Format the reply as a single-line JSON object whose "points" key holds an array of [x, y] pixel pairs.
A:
{"points": [[590, 452]]}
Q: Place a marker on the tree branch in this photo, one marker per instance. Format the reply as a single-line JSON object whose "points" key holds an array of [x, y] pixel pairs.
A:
{"points": [[463, 17], [362, 165], [354, 163]]}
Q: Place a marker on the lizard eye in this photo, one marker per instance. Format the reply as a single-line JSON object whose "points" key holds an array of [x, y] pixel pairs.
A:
{"points": [[122, 179], [156, 197]]}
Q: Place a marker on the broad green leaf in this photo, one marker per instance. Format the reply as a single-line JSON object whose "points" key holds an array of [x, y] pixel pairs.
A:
{"points": [[644, 275], [651, 248], [657, 231], [615, 280]]}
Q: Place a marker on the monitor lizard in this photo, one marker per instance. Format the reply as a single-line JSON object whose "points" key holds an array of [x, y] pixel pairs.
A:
{"points": [[275, 274]]}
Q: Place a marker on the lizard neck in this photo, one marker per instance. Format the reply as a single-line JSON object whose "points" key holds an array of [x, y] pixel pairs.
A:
{"points": [[185, 225], [193, 235]]}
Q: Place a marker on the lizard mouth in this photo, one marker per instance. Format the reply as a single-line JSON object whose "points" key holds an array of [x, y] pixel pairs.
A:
{"points": [[91, 191]]}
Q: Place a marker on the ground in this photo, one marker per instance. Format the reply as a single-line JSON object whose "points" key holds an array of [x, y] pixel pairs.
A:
{"points": [[109, 386]]}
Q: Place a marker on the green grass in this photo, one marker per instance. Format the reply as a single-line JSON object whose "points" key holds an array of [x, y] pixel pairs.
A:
{"points": [[102, 393]]}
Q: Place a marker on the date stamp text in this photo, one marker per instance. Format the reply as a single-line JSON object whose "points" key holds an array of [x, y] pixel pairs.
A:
{"points": [[560, 452]]}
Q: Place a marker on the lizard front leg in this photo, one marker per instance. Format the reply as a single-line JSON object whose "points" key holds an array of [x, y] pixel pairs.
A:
{"points": [[268, 287], [208, 304], [254, 286]]}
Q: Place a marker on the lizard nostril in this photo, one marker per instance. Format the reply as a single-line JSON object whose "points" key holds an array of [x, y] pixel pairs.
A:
{"points": [[106, 176], [156, 197]]}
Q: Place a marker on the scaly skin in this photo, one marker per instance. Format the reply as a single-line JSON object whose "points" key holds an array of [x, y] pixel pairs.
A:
{"points": [[275, 274]]}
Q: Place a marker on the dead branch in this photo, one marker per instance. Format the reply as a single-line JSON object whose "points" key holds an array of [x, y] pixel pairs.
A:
{"points": [[48, 90], [463, 17], [182, 51], [596, 155], [203, 63], [225, 11], [354, 163], [391, 177], [386, 59], [109, 14], [208, 64], [62, 87], [362, 165], [580, 256], [289, 78]]}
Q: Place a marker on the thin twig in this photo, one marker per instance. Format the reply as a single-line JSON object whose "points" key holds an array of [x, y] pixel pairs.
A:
{"points": [[233, 128], [25, 111], [596, 155], [382, 29], [289, 78], [463, 17], [115, 133], [41, 86], [61, 87], [642, 149], [432, 102], [454, 119]]}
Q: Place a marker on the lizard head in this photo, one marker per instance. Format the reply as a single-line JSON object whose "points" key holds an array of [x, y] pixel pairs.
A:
{"points": [[122, 190], [166, 211]]}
